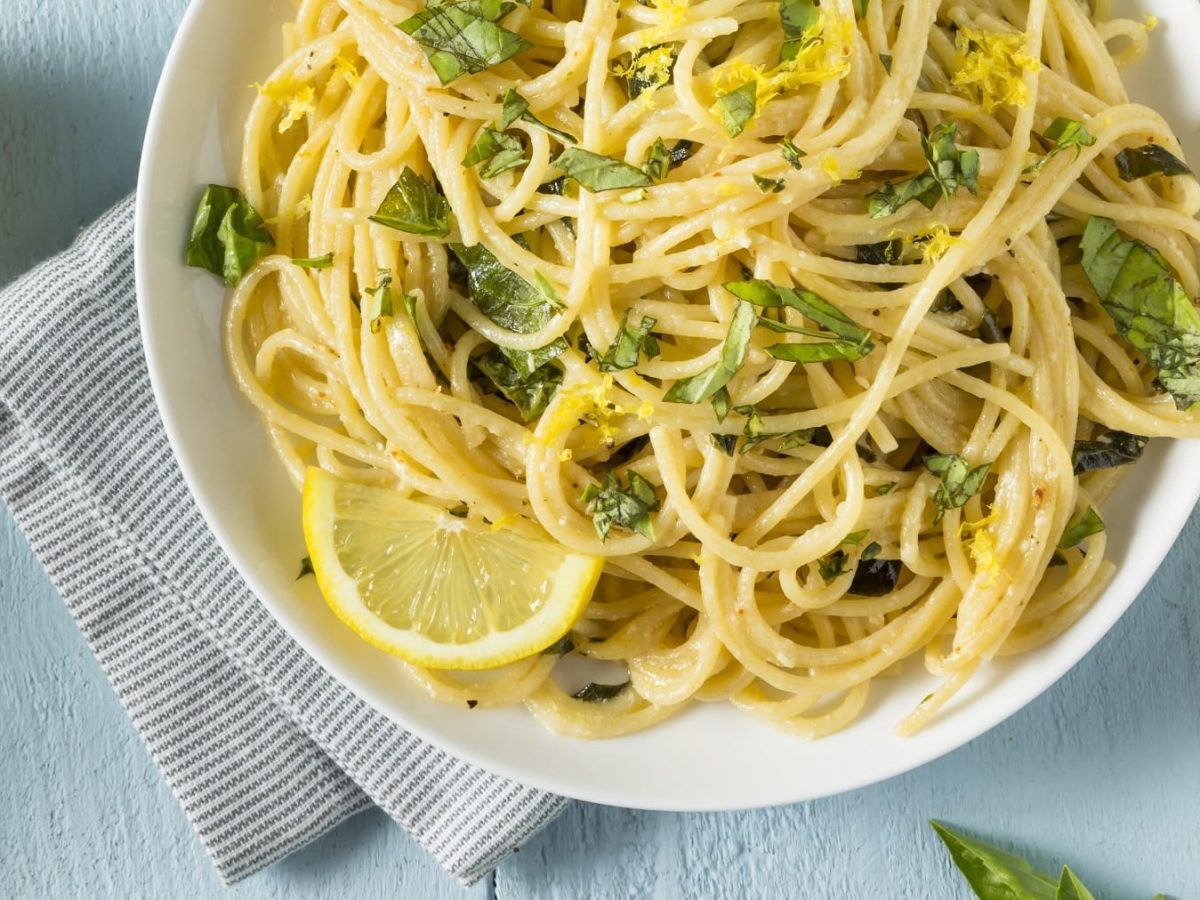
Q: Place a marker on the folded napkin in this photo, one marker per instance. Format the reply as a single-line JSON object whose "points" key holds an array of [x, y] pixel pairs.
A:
{"points": [[263, 749]]}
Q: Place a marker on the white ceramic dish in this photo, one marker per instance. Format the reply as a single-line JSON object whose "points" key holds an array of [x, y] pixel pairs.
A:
{"points": [[697, 761]]}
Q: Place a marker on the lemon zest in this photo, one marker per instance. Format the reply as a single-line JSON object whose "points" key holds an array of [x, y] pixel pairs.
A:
{"points": [[831, 167], [504, 522], [594, 405], [990, 68], [935, 244], [1150, 22], [671, 15], [982, 547], [346, 70], [653, 67], [297, 100], [565, 455]]}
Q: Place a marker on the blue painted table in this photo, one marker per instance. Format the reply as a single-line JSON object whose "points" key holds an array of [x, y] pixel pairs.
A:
{"points": [[1103, 771]]}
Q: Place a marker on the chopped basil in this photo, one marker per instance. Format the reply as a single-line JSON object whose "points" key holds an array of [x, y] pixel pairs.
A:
{"points": [[526, 362], [561, 647], [990, 331], [886, 59], [992, 873], [1149, 306], [843, 339], [833, 566], [1082, 527], [501, 294], [753, 432], [949, 168], [599, 693], [314, 262], [726, 443], [884, 253], [1152, 159], [382, 292], [735, 109], [462, 37], [791, 153], [796, 17], [530, 392], [770, 185], [600, 173], [703, 385], [630, 507], [631, 342], [721, 404], [658, 160], [306, 567], [875, 577], [500, 152], [958, 483], [1108, 450], [228, 235], [517, 107], [682, 152], [884, 489], [649, 68], [413, 205], [1064, 133]]}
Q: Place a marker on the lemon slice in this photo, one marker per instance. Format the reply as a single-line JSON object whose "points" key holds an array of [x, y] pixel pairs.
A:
{"points": [[435, 590]]}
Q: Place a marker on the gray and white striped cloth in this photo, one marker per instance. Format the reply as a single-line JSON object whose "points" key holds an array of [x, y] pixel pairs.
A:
{"points": [[263, 749]]}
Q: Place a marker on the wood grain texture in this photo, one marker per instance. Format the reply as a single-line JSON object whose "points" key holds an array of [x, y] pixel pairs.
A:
{"points": [[1101, 771]]}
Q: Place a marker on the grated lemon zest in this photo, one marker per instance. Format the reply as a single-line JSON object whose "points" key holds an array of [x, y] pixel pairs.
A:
{"points": [[297, 100], [653, 66], [671, 15], [504, 522], [831, 167], [981, 547], [990, 67], [565, 456], [1150, 22], [936, 243], [346, 70], [594, 404]]}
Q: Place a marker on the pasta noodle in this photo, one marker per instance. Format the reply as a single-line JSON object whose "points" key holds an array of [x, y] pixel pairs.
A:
{"points": [[987, 343]]}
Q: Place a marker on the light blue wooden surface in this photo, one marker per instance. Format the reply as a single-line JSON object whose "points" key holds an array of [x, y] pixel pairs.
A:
{"points": [[1103, 771]]}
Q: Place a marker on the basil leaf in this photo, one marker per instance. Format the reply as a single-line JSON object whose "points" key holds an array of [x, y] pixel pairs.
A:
{"points": [[631, 342], [600, 173], [958, 481], [500, 151], [526, 362], [649, 68], [561, 647], [500, 293], [1109, 449], [462, 38], [413, 205], [726, 443], [796, 17], [847, 341], [599, 693], [994, 874], [530, 392], [884, 253], [831, 351], [682, 152], [314, 262], [770, 185], [1065, 133], [1071, 888], [517, 107], [306, 567], [1150, 308], [1152, 159], [721, 403], [833, 566], [791, 153], [382, 292], [990, 331], [753, 432], [228, 235], [703, 385], [886, 59], [658, 160], [1082, 527], [735, 109], [875, 577], [630, 507], [949, 169], [884, 489]]}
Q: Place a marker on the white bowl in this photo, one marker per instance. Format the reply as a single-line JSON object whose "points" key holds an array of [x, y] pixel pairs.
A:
{"points": [[710, 757]]}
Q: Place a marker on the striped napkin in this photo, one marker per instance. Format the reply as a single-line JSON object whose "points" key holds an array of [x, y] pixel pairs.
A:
{"points": [[262, 748]]}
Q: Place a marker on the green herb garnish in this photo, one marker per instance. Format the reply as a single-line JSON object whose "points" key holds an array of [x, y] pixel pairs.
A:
{"points": [[463, 37], [770, 185], [949, 168], [561, 647], [631, 342], [612, 504], [306, 567], [1152, 159], [500, 152], [529, 391], [517, 107], [501, 294], [414, 206], [996, 875], [599, 693], [841, 339], [884, 253], [796, 17], [1108, 450], [791, 153], [314, 262], [658, 160], [735, 109], [600, 173], [703, 385], [1064, 133], [1083, 526], [649, 68], [958, 483], [726, 443], [1149, 306], [228, 234]]}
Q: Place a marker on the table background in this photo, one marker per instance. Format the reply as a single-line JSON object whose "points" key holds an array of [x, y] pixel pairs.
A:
{"points": [[1102, 771]]}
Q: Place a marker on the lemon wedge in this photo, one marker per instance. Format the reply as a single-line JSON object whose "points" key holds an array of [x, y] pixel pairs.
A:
{"points": [[436, 590]]}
